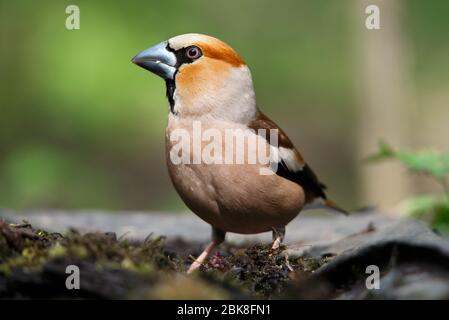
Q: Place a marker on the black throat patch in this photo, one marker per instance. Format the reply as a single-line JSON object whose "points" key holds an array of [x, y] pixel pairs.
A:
{"points": [[181, 58], [171, 87]]}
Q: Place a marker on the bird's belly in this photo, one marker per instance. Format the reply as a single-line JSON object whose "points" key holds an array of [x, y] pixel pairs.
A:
{"points": [[237, 198]]}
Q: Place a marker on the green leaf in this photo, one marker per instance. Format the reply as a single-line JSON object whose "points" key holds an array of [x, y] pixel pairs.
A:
{"points": [[385, 152], [429, 162], [422, 205]]}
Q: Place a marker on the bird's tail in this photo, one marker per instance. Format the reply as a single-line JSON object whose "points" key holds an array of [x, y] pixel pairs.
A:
{"points": [[320, 203]]}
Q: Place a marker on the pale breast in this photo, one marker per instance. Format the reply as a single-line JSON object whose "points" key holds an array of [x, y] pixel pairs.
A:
{"points": [[233, 197]]}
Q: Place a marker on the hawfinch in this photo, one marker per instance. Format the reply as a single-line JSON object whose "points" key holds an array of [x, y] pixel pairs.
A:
{"points": [[209, 88]]}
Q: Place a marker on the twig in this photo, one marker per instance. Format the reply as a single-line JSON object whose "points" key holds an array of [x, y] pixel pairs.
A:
{"points": [[287, 262]]}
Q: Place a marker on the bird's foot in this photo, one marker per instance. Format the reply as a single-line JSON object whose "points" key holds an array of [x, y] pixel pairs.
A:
{"points": [[200, 260], [278, 237], [276, 243], [195, 265]]}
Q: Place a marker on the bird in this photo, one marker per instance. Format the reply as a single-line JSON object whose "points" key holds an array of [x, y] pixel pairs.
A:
{"points": [[208, 84]]}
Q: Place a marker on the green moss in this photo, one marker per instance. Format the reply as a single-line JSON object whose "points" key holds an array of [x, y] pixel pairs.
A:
{"points": [[139, 269]]}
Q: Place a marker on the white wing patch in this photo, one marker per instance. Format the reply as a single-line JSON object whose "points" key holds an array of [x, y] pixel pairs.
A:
{"points": [[287, 156]]}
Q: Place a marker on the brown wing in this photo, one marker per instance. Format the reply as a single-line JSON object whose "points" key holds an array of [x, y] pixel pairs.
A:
{"points": [[291, 165]]}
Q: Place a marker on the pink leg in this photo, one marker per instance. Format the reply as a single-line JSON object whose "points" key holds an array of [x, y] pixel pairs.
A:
{"points": [[200, 260], [218, 237], [276, 243], [278, 237]]}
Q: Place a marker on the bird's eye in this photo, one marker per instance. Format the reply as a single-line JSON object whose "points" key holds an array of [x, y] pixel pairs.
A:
{"points": [[193, 52]]}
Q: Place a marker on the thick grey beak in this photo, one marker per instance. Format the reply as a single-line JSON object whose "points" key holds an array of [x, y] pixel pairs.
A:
{"points": [[157, 59]]}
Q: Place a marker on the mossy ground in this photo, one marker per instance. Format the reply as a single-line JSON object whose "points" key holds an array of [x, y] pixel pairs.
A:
{"points": [[33, 264]]}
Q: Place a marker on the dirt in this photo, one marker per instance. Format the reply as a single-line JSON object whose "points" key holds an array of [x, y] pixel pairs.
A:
{"points": [[33, 264], [412, 263]]}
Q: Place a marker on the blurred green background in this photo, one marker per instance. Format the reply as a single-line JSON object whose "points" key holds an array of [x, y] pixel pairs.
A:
{"points": [[82, 127]]}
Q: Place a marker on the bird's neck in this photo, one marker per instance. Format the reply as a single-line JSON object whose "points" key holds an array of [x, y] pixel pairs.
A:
{"points": [[234, 100]]}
